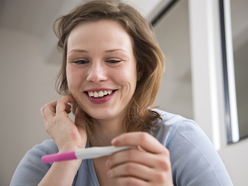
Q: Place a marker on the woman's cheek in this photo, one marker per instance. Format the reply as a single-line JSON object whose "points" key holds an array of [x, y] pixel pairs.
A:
{"points": [[74, 78]]}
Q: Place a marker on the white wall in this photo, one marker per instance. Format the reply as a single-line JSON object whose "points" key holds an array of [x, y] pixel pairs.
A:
{"points": [[27, 83]]}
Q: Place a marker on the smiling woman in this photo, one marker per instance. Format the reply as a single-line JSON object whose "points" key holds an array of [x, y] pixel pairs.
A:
{"points": [[111, 72], [129, 31]]}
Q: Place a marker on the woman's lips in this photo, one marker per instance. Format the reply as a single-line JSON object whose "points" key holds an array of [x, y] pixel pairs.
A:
{"points": [[100, 97]]}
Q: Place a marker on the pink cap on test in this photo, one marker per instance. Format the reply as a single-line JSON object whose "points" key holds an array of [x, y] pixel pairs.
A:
{"points": [[59, 157]]}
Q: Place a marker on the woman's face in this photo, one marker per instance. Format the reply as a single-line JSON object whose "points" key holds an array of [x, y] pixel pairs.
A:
{"points": [[101, 68]]}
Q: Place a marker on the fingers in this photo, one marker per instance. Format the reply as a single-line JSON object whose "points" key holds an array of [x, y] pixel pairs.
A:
{"points": [[131, 181], [48, 111], [133, 155], [148, 164], [139, 171], [159, 162], [62, 104], [143, 139], [131, 170]]}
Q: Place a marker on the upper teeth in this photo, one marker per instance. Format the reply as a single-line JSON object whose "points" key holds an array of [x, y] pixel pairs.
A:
{"points": [[99, 94]]}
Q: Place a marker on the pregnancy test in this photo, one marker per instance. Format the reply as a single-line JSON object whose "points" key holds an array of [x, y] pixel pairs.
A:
{"points": [[88, 153]]}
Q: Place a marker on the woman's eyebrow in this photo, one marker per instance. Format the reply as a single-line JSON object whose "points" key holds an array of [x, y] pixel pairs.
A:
{"points": [[114, 50], [78, 51], [85, 51]]}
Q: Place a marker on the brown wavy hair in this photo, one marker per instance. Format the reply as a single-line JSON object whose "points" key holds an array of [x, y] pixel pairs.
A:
{"points": [[149, 57]]}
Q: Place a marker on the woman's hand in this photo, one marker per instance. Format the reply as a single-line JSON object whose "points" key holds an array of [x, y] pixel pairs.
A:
{"points": [[67, 135], [149, 164]]}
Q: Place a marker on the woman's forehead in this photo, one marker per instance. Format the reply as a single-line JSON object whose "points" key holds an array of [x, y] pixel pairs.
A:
{"points": [[102, 35]]}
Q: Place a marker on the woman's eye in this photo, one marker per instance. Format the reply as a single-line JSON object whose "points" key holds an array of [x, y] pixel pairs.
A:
{"points": [[80, 61], [114, 61]]}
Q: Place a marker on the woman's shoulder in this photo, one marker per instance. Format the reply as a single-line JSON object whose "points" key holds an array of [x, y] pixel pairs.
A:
{"points": [[169, 119], [173, 126]]}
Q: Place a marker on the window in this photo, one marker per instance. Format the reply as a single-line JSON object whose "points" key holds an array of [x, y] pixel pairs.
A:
{"points": [[234, 15]]}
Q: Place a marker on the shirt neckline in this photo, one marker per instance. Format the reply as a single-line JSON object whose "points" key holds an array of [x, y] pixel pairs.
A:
{"points": [[92, 169]]}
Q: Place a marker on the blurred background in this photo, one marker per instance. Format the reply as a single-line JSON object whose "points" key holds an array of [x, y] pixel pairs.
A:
{"points": [[189, 34]]}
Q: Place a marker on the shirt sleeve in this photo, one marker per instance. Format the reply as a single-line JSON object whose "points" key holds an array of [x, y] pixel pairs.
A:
{"points": [[194, 160], [31, 170]]}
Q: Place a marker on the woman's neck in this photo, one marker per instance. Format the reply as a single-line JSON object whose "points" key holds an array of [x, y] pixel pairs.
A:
{"points": [[106, 130]]}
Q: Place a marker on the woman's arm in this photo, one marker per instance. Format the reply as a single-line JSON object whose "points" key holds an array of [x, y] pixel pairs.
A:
{"points": [[61, 173]]}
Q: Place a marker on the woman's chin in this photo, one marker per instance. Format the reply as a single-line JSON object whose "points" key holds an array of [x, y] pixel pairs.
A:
{"points": [[102, 116]]}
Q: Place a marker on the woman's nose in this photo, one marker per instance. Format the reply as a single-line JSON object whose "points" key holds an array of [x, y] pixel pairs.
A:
{"points": [[97, 73]]}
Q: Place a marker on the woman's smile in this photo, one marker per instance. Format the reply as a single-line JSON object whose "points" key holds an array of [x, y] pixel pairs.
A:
{"points": [[100, 96]]}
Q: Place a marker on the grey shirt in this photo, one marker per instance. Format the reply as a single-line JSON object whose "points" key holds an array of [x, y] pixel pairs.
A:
{"points": [[194, 160]]}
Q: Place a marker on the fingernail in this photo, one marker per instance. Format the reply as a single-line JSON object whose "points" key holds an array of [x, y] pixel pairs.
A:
{"points": [[114, 141], [109, 173], [107, 163]]}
